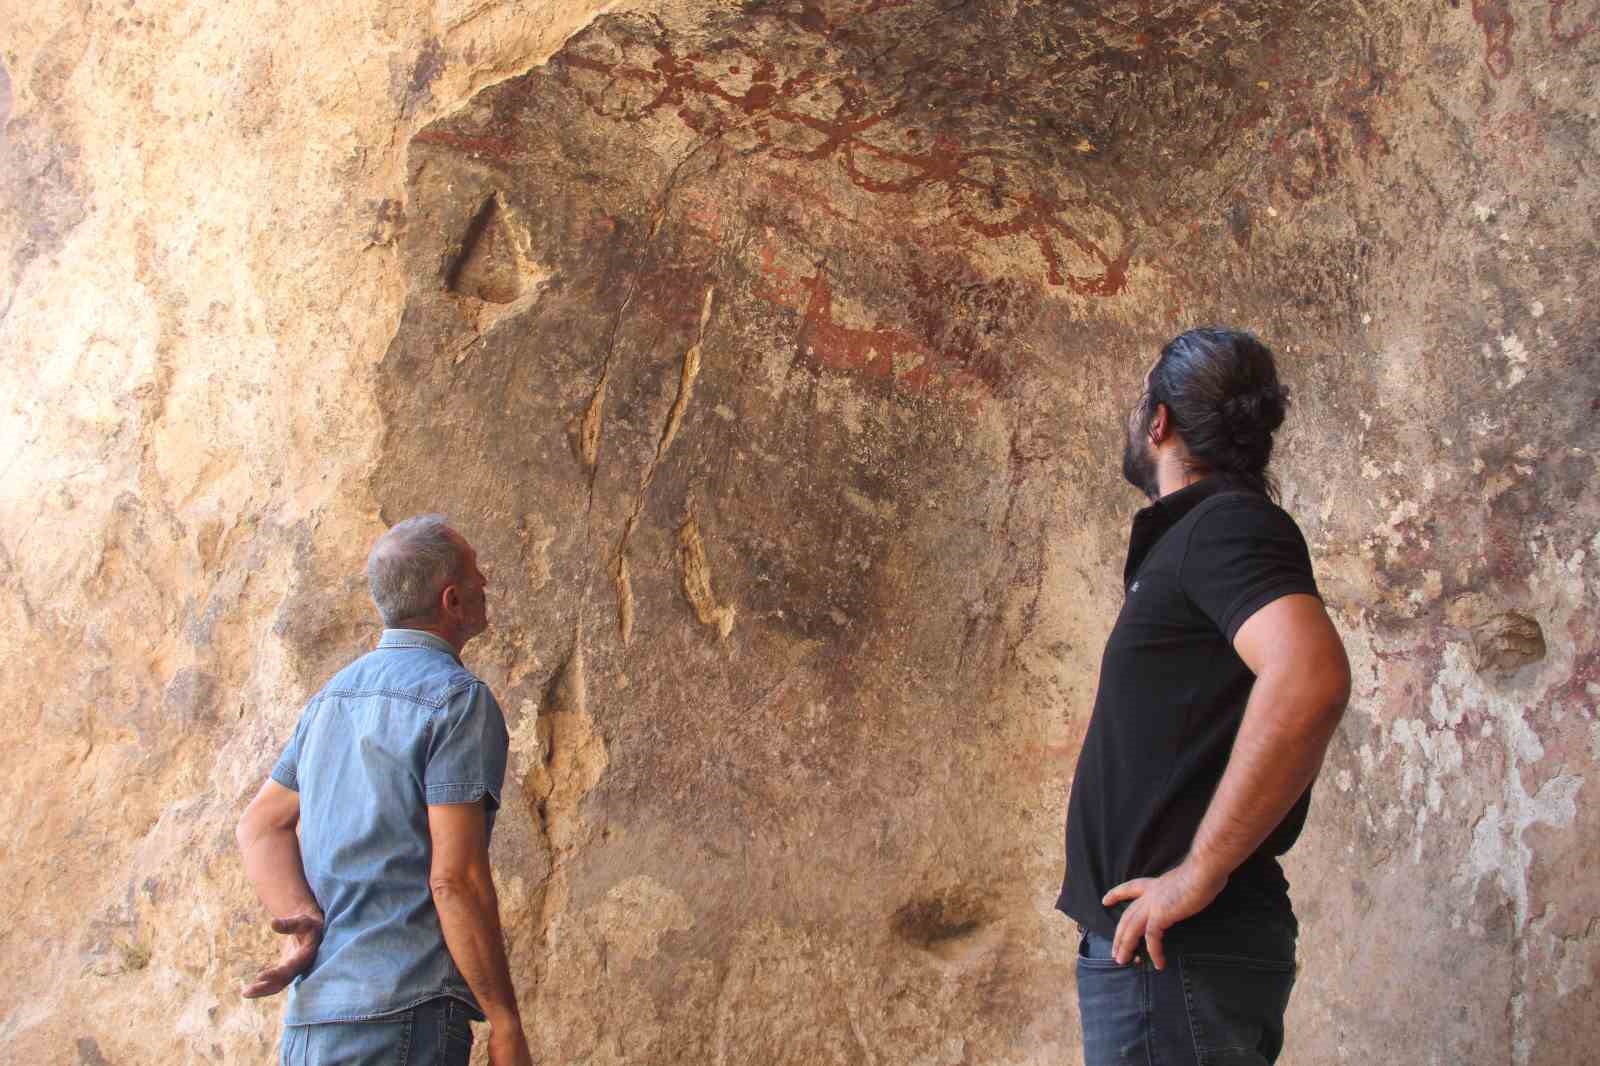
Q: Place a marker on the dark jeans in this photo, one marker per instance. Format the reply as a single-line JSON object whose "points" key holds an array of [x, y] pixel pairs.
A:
{"points": [[434, 1033], [1202, 1010]]}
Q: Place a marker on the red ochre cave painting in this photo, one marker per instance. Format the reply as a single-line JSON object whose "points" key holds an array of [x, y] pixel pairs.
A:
{"points": [[810, 117], [626, 71], [895, 357], [1562, 30], [1495, 19], [1314, 141]]}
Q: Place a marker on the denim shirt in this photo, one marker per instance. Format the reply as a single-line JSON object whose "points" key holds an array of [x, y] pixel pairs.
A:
{"points": [[402, 727]]}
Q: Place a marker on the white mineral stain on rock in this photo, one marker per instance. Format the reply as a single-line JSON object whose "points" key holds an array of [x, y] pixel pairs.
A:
{"points": [[1516, 356], [1575, 970], [527, 747], [1497, 848]]}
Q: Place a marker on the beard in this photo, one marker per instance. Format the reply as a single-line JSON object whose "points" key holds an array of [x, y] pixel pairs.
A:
{"points": [[1138, 465]]}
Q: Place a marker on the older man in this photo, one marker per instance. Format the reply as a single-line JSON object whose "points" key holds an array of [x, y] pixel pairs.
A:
{"points": [[393, 778]]}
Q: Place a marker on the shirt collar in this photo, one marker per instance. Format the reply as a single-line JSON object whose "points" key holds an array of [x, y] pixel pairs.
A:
{"points": [[1152, 522], [416, 638]]}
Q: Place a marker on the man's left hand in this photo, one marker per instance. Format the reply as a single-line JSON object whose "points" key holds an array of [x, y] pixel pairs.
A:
{"points": [[1159, 903], [305, 934]]}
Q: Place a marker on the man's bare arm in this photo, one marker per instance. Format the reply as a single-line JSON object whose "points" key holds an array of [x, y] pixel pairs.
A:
{"points": [[469, 915], [1301, 687], [271, 852]]}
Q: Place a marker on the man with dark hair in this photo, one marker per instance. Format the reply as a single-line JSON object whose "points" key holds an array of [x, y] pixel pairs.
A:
{"points": [[393, 778], [1222, 683]]}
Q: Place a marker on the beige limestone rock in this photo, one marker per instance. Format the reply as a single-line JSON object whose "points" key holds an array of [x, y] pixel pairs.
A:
{"points": [[774, 356]]}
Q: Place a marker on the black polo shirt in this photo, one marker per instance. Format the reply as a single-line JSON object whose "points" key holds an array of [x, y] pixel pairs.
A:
{"points": [[1172, 693]]}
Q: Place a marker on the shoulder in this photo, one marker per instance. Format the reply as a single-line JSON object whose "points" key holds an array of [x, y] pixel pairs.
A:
{"points": [[469, 709], [467, 694], [468, 690], [1234, 512], [1240, 531], [419, 674], [1242, 536]]}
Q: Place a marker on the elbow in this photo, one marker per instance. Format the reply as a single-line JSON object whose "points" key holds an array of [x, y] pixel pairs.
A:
{"points": [[1334, 681], [444, 886], [449, 886], [246, 832], [1341, 682], [469, 884], [1318, 688], [267, 815], [1342, 698]]}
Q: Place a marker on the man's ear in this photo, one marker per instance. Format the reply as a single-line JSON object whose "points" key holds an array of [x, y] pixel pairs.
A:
{"points": [[1158, 424], [451, 598]]}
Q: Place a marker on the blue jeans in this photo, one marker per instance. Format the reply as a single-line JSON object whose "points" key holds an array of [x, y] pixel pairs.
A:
{"points": [[1202, 1010], [434, 1033]]}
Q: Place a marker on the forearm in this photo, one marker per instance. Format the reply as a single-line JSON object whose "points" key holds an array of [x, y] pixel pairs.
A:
{"points": [[273, 864], [1290, 717], [469, 915]]}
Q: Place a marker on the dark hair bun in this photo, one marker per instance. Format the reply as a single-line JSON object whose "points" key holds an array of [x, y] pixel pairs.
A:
{"points": [[1252, 417]]}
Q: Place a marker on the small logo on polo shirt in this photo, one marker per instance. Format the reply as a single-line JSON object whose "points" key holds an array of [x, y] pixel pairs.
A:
{"points": [[1133, 588]]}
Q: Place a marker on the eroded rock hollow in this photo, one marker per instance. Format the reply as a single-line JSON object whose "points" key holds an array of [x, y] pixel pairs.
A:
{"points": [[775, 355]]}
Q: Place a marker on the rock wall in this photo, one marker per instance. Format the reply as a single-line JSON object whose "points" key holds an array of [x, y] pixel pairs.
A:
{"points": [[774, 356]]}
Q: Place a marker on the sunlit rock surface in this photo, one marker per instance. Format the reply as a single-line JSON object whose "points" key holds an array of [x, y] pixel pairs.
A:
{"points": [[774, 355]]}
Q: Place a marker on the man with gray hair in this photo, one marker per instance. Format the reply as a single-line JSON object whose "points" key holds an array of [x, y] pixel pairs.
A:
{"points": [[392, 777]]}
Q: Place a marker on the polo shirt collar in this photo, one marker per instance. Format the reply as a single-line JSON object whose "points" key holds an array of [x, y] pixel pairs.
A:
{"points": [[1152, 522], [416, 638]]}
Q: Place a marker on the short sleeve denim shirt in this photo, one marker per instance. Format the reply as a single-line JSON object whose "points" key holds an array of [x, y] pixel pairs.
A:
{"points": [[402, 727]]}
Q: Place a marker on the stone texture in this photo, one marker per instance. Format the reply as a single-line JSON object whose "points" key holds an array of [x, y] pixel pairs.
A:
{"points": [[1507, 642], [774, 356]]}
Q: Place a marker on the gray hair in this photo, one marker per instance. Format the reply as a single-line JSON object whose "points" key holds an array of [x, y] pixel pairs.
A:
{"points": [[410, 565]]}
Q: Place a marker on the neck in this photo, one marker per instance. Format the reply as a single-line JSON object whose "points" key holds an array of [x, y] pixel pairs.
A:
{"points": [[445, 632], [1173, 472]]}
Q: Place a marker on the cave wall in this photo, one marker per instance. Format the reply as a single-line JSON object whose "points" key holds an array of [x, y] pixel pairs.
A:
{"points": [[774, 356]]}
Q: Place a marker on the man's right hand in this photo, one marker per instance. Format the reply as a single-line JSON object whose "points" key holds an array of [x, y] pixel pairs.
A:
{"points": [[1159, 903], [304, 933], [508, 1046]]}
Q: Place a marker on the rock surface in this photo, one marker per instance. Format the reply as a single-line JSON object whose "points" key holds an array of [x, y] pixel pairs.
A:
{"points": [[774, 357]]}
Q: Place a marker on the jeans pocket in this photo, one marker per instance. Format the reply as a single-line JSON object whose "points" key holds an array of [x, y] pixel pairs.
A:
{"points": [[456, 1037], [1236, 1007], [1114, 1011], [1099, 965]]}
